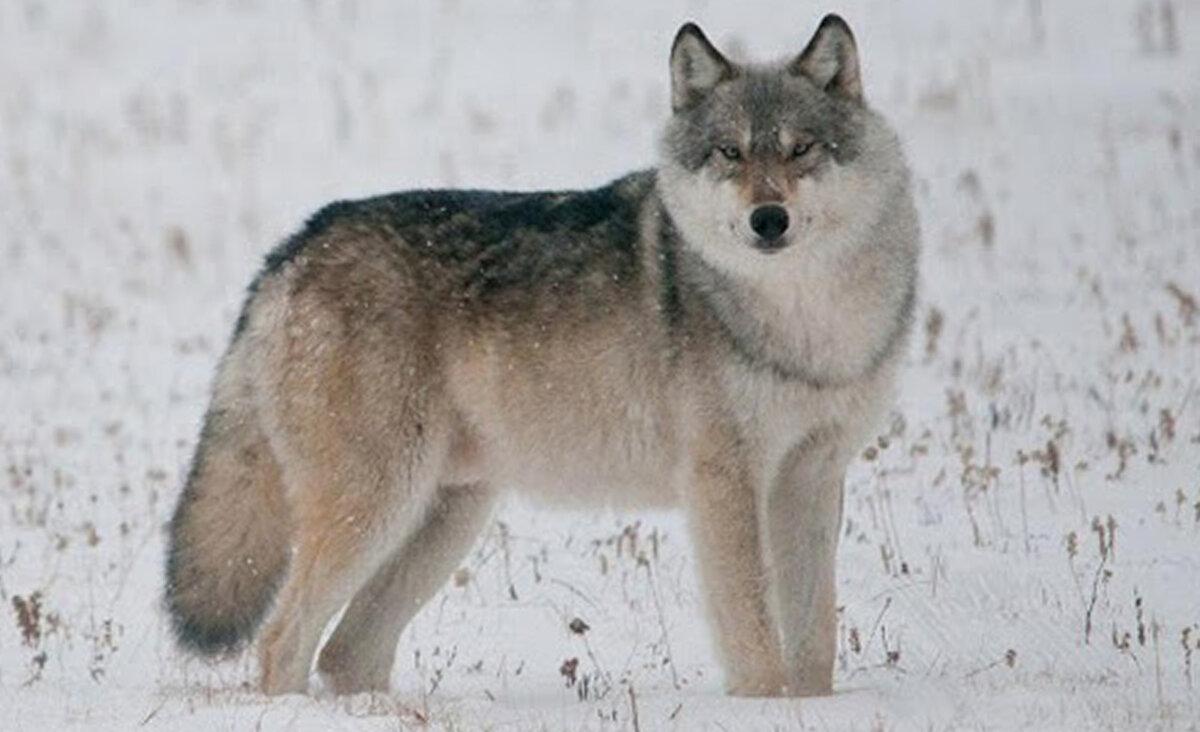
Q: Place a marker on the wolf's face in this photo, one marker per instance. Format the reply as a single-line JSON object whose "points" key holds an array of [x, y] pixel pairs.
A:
{"points": [[782, 161]]}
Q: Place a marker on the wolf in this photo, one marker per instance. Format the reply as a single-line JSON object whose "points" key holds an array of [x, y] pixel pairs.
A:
{"points": [[720, 333]]}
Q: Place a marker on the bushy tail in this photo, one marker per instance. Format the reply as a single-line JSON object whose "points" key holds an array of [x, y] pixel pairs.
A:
{"points": [[229, 536]]}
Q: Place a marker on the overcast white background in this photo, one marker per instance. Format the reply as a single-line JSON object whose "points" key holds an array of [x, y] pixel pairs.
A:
{"points": [[1021, 549]]}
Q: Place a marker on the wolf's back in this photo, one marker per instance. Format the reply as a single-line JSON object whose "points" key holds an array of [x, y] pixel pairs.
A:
{"points": [[229, 536]]}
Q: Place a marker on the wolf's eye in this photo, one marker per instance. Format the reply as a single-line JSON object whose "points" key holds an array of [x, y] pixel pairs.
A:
{"points": [[731, 152], [801, 149]]}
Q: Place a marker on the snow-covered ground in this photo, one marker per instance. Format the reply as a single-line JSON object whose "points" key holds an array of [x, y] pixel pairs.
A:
{"points": [[1022, 544]]}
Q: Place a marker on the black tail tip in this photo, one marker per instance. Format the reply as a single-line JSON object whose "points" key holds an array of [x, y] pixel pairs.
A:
{"points": [[208, 639], [204, 635]]}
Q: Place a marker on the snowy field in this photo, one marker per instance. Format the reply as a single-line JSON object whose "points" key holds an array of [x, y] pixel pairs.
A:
{"points": [[1022, 543]]}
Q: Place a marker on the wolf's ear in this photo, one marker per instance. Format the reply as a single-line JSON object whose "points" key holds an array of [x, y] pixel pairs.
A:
{"points": [[696, 67], [831, 59]]}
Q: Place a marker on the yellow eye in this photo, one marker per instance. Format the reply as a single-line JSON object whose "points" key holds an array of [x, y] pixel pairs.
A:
{"points": [[731, 152]]}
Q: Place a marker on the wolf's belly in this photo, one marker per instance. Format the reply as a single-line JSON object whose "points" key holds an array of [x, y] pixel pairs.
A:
{"points": [[569, 458], [589, 418], [573, 450], [588, 478]]}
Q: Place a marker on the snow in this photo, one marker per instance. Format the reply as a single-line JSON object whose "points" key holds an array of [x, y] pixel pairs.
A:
{"points": [[1022, 545]]}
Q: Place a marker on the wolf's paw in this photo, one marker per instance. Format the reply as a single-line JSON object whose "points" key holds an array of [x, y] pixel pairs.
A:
{"points": [[346, 683], [812, 684], [280, 672], [756, 685], [344, 674]]}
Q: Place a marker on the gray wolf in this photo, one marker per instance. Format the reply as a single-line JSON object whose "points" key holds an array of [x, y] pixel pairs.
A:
{"points": [[721, 332]]}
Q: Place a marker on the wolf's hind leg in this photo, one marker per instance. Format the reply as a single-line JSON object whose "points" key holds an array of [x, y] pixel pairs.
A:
{"points": [[331, 560], [349, 517], [360, 654]]}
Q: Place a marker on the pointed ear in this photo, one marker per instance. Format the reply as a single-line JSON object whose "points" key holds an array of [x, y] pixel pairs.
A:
{"points": [[696, 67], [831, 60]]}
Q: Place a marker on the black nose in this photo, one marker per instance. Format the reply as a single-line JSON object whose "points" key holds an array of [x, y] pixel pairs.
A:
{"points": [[769, 221]]}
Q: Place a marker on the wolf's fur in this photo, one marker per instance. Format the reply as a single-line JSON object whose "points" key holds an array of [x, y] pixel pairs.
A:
{"points": [[404, 358]]}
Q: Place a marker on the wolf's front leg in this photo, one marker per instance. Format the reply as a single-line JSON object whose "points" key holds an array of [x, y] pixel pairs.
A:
{"points": [[804, 516], [725, 530]]}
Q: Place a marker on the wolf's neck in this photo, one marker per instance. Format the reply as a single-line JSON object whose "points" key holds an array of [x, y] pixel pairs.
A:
{"points": [[827, 322]]}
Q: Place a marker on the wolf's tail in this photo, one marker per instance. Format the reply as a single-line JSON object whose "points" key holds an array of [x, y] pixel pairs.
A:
{"points": [[229, 537]]}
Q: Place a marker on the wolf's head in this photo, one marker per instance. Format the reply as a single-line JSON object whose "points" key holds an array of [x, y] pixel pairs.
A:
{"points": [[783, 160]]}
